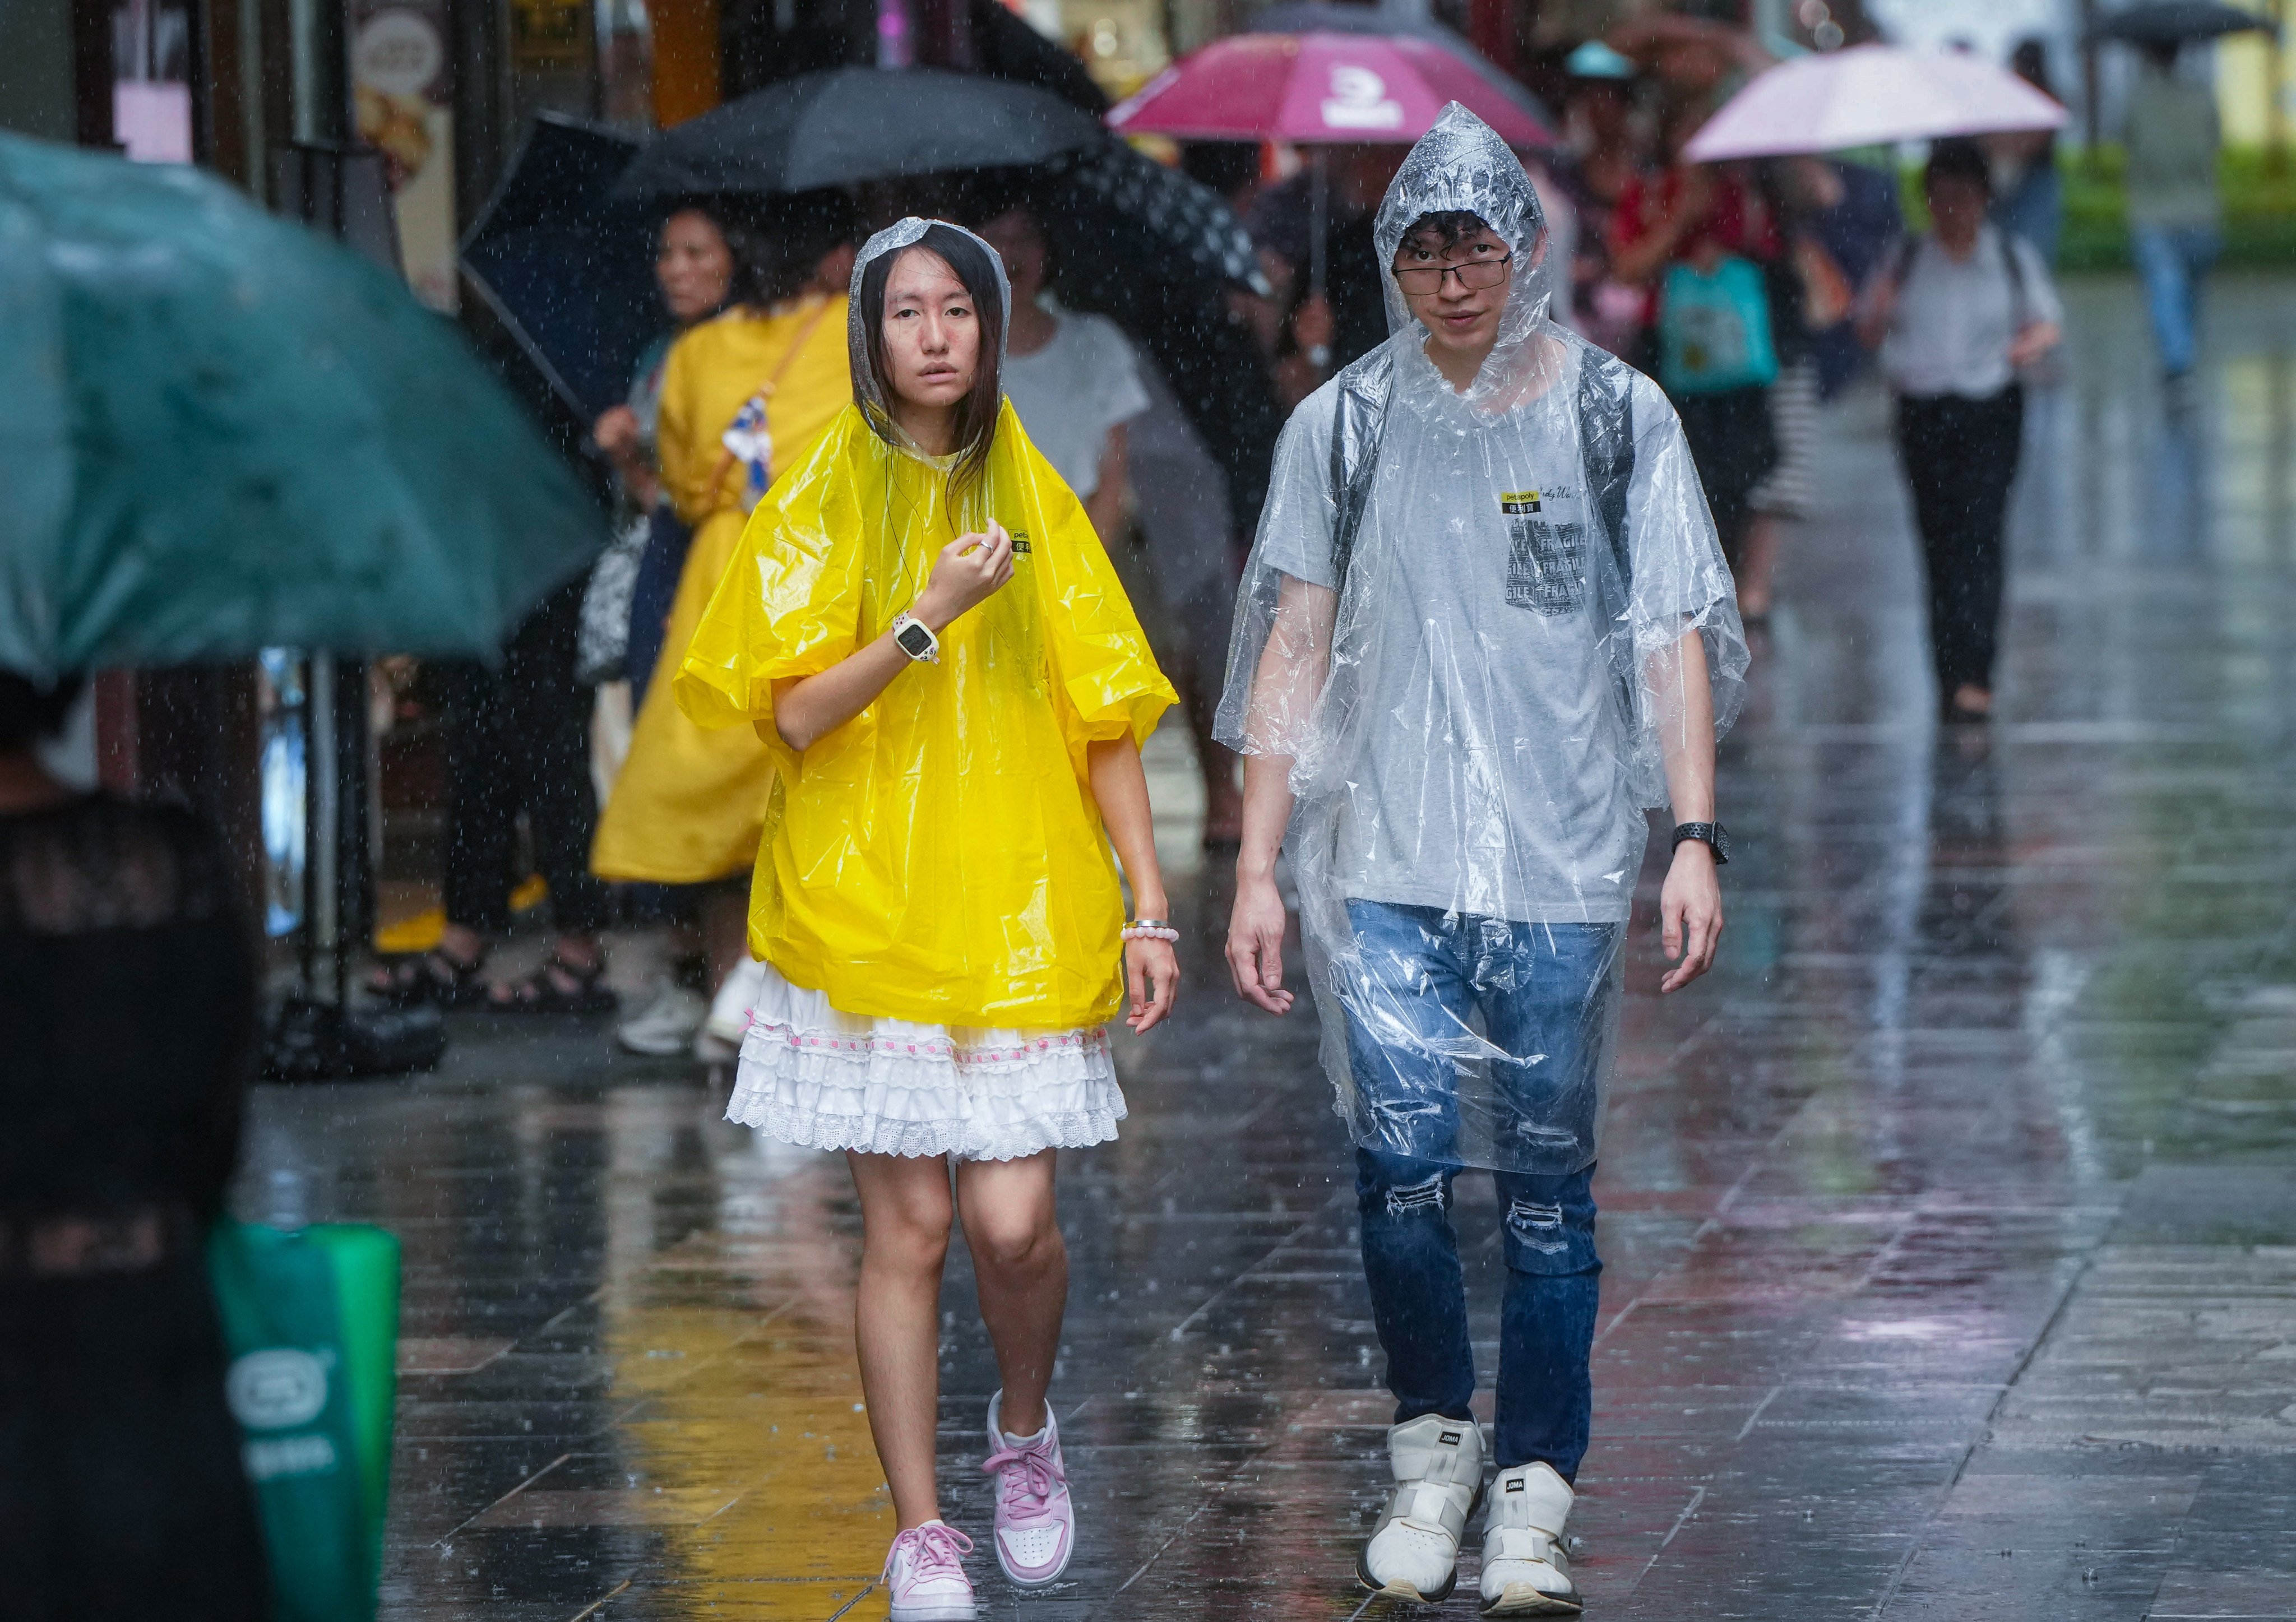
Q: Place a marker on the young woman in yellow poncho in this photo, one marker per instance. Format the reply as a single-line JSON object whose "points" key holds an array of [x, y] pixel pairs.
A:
{"points": [[925, 632], [743, 398]]}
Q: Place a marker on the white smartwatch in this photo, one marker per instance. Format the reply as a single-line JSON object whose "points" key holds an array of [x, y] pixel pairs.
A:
{"points": [[914, 637]]}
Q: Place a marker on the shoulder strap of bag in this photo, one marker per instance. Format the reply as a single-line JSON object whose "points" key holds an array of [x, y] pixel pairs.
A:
{"points": [[765, 393], [1902, 266], [2021, 309], [1359, 427], [1606, 450]]}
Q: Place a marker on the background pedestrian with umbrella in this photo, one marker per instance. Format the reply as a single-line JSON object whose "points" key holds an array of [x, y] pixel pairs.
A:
{"points": [[1355, 101], [1964, 308], [743, 396], [1701, 241], [2176, 215], [1109, 423], [220, 433], [695, 266], [1607, 143]]}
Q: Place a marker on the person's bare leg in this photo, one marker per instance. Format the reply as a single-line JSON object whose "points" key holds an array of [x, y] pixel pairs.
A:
{"points": [[1223, 795], [1021, 1264], [904, 1217], [724, 915], [583, 951], [1757, 563]]}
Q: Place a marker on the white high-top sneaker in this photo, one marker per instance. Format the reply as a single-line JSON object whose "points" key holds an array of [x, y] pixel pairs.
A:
{"points": [[1525, 1571], [1413, 1552]]}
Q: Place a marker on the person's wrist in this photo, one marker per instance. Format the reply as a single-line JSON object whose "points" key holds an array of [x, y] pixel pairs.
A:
{"points": [[927, 608], [1705, 852], [1251, 867]]}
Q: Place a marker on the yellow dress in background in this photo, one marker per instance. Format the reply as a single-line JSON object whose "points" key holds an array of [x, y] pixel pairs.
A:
{"points": [[689, 805], [940, 857]]}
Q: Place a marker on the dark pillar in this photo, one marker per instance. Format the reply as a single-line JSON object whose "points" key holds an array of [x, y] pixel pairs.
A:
{"points": [[92, 72], [2092, 115], [482, 131]]}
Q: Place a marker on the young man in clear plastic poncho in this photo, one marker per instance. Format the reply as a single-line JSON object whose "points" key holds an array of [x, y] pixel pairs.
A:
{"points": [[1487, 623]]}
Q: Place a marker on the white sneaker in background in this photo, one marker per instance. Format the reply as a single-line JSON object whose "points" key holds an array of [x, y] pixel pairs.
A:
{"points": [[1413, 1552], [667, 1025], [1525, 1571], [719, 1039]]}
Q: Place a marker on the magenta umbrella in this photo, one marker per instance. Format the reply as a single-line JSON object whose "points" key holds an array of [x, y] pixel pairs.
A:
{"points": [[1319, 89]]}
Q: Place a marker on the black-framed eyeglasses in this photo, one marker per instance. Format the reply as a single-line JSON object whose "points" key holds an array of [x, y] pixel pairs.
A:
{"points": [[1475, 274]]}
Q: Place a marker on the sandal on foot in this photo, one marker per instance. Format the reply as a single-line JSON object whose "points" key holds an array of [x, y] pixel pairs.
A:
{"points": [[434, 976], [540, 992]]}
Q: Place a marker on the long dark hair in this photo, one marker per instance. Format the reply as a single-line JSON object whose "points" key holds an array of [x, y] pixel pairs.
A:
{"points": [[976, 413], [776, 249]]}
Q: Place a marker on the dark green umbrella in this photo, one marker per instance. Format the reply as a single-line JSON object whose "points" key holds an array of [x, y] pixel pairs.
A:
{"points": [[220, 431], [2175, 22]]}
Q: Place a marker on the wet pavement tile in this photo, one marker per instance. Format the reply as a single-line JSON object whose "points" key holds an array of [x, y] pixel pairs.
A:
{"points": [[1949, 1227]]}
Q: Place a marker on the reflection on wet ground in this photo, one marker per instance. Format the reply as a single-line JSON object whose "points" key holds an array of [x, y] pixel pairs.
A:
{"points": [[1950, 1232]]}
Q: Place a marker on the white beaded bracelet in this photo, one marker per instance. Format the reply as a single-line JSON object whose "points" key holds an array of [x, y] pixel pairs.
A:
{"points": [[1150, 929]]}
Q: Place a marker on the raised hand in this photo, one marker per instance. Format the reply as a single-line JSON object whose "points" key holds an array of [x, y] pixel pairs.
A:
{"points": [[970, 570]]}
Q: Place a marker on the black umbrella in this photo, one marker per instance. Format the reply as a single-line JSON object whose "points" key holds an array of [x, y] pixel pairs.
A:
{"points": [[2170, 22], [851, 125], [569, 270], [1146, 217]]}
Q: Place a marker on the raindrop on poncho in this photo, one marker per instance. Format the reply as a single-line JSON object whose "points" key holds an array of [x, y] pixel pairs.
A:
{"points": [[940, 857], [1471, 621]]}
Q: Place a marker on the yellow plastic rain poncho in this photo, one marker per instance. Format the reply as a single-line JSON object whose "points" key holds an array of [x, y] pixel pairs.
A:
{"points": [[689, 805], [940, 857]]}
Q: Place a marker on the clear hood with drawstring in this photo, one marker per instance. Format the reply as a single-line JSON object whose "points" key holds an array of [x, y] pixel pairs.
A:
{"points": [[1472, 623], [907, 234]]}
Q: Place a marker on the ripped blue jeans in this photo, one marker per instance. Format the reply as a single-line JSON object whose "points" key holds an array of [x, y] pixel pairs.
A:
{"points": [[1410, 1248]]}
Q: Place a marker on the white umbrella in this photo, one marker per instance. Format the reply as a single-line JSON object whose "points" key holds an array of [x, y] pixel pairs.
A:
{"points": [[1868, 95]]}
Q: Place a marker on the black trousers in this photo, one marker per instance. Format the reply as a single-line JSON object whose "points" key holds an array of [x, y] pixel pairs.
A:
{"points": [[1960, 456], [518, 739], [1734, 444]]}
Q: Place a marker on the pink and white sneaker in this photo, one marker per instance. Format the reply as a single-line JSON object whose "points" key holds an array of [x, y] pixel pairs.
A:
{"points": [[1036, 1523], [924, 1575]]}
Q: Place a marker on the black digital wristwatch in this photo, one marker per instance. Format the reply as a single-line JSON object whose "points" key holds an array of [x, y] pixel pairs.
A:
{"points": [[1712, 835]]}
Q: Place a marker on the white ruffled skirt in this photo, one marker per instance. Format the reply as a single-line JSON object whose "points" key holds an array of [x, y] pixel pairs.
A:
{"points": [[821, 1079]]}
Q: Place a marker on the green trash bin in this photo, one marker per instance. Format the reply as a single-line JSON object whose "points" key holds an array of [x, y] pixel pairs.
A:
{"points": [[310, 1324]]}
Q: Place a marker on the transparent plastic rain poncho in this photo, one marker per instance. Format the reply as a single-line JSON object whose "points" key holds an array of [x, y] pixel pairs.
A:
{"points": [[1471, 622], [940, 857]]}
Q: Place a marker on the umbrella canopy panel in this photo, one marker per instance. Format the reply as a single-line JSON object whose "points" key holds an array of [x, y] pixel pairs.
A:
{"points": [[569, 271], [2169, 23], [1126, 206], [1322, 88], [850, 125], [1336, 17], [1868, 95], [222, 432]]}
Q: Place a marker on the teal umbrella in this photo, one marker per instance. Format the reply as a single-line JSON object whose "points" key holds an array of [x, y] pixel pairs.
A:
{"points": [[220, 431]]}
